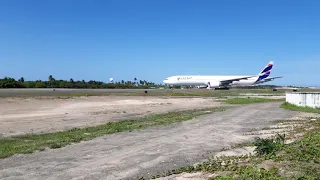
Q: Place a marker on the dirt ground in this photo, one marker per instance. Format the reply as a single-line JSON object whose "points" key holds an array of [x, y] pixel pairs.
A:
{"points": [[37, 115], [149, 151], [127, 154]]}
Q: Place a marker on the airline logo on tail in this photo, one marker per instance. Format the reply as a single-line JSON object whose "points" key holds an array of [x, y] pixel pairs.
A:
{"points": [[266, 71]]}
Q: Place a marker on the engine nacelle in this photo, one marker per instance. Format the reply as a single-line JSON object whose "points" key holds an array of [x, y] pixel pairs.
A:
{"points": [[200, 87], [214, 84]]}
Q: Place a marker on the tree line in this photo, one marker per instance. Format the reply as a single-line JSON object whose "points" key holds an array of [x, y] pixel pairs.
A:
{"points": [[9, 82]]}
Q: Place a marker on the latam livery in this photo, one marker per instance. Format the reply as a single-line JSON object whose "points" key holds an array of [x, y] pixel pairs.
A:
{"points": [[224, 82]]}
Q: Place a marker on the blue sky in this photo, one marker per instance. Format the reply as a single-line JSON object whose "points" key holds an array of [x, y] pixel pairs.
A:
{"points": [[152, 40]]}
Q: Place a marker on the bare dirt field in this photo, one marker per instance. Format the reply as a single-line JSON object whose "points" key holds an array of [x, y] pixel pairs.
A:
{"points": [[146, 152], [36, 115], [25, 92], [127, 154]]}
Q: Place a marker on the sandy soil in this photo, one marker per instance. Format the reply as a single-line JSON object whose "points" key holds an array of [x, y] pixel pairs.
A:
{"points": [[36, 115]]}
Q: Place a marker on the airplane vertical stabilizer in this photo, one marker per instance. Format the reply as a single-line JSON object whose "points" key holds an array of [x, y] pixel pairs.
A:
{"points": [[265, 71]]}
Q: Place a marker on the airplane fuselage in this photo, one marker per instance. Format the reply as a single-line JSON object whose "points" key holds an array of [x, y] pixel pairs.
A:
{"points": [[204, 80], [221, 81]]}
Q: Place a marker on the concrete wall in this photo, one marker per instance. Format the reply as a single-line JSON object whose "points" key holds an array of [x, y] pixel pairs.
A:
{"points": [[311, 99]]}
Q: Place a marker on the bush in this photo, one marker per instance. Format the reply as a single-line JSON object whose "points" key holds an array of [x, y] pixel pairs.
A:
{"points": [[269, 146]]}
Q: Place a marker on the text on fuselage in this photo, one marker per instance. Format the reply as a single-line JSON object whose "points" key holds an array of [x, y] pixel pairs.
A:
{"points": [[184, 78]]}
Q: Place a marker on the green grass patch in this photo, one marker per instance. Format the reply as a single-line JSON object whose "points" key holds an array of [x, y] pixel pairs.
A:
{"points": [[293, 107], [212, 93], [250, 100], [181, 93], [251, 172], [33, 142]]}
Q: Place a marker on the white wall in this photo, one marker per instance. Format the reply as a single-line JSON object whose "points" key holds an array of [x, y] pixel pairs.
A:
{"points": [[304, 99]]}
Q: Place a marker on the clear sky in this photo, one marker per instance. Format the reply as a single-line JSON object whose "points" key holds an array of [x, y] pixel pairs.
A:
{"points": [[154, 39]]}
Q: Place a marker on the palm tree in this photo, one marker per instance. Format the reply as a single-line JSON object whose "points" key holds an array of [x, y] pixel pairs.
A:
{"points": [[50, 78], [21, 79], [135, 80]]}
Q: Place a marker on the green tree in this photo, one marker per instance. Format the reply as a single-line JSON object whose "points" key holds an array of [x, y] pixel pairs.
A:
{"points": [[8, 82], [136, 81], [50, 78], [40, 84], [21, 80]]}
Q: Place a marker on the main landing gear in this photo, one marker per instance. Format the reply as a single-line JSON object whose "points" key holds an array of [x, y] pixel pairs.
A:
{"points": [[222, 88]]}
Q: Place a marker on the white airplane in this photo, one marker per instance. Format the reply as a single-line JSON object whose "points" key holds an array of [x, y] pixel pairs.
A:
{"points": [[221, 82]]}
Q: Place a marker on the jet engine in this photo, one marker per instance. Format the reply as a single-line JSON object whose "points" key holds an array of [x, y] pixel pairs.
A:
{"points": [[200, 87], [214, 84]]}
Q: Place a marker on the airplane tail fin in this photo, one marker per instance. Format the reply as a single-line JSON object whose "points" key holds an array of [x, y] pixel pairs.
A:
{"points": [[265, 71]]}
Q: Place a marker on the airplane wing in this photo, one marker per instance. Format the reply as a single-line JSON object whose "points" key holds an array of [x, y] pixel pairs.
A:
{"points": [[228, 81], [268, 79], [275, 77]]}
